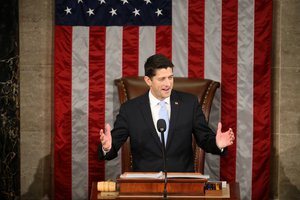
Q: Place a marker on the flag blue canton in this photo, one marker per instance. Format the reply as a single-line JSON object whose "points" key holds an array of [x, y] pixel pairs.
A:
{"points": [[113, 12]]}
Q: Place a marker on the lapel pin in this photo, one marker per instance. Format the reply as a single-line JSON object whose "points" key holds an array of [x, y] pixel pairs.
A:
{"points": [[176, 103]]}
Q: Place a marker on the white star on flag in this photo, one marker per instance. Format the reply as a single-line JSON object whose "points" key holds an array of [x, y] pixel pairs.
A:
{"points": [[158, 12], [124, 1], [102, 2], [136, 12], [68, 10], [148, 1], [113, 12], [90, 12]]}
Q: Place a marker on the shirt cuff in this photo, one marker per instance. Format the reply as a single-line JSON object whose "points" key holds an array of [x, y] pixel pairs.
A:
{"points": [[104, 152]]}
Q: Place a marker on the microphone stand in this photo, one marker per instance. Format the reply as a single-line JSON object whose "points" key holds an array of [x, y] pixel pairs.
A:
{"points": [[165, 166]]}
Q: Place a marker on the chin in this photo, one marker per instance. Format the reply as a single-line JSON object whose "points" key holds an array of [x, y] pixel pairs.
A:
{"points": [[166, 95]]}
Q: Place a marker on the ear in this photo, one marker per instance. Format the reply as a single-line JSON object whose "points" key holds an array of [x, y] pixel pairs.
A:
{"points": [[148, 80]]}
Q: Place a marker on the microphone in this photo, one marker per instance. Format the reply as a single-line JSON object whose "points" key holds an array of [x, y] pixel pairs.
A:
{"points": [[161, 127]]}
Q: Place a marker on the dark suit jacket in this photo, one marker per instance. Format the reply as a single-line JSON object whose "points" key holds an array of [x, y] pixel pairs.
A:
{"points": [[135, 121]]}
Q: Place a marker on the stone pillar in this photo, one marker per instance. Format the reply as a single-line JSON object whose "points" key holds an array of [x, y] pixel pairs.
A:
{"points": [[285, 159], [9, 101]]}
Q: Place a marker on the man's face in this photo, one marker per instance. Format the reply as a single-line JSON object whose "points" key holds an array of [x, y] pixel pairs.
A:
{"points": [[161, 84]]}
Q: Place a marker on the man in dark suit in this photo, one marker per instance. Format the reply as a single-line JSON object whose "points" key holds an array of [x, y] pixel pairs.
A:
{"points": [[138, 117]]}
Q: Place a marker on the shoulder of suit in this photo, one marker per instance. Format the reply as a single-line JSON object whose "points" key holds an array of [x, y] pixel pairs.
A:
{"points": [[142, 98]]}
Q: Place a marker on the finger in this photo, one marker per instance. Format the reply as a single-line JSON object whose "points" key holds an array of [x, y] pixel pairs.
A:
{"points": [[107, 129], [101, 135], [219, 127], [231, 132]]}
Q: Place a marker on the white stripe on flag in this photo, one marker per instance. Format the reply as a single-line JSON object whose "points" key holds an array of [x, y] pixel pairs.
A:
{"points": [[113, 70], [80, 88], [146, 45], [180, 37], [212, 63], [245, 96]]}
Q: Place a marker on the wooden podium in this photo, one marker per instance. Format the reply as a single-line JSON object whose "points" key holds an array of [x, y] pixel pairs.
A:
{"points": [[232, 192], [179, 184]]}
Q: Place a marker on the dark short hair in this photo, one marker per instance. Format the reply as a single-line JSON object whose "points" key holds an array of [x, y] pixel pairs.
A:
{"points": [[154, 62]]}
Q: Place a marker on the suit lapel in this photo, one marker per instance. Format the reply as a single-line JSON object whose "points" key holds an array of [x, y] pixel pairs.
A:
{"points": [[175, 107], [147, 114]]}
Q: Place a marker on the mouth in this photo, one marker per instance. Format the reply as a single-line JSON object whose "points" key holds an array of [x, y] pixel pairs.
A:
{"points": [[166, 90]]}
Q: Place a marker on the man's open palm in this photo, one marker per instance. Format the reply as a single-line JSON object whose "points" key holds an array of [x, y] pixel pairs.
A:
{"points": [[105, 138], [224, 139]]}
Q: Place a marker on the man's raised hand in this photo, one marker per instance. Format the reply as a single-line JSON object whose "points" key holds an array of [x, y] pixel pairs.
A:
{"points": [[105, 138], [224, 139]]}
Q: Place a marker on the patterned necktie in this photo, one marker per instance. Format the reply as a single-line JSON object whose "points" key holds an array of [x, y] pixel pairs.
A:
{"points": [[163, 114]]}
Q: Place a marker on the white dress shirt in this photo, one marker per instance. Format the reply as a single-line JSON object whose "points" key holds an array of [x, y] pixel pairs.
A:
{"points": [[154, 105]]}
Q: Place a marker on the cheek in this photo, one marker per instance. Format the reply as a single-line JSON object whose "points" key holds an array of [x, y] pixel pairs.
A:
{"points": [[158, 89]]}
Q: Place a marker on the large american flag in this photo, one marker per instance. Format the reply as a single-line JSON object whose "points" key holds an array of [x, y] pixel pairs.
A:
{"points": [[97, 41]]}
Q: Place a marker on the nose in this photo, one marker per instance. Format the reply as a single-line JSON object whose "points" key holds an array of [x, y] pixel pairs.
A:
{"points": [[167, 82]]}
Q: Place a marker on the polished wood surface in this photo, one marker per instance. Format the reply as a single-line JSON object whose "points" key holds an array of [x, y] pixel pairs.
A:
{"points": [[181, 187], [234, 194]]}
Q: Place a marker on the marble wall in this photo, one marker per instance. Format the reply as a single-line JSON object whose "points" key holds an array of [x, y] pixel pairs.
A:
{"points": [[285, 164], [36, 85], [9, 101], [36, 97]]}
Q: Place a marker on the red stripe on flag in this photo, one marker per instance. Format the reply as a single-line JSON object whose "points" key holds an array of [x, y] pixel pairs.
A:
{"points": [[196, 38], [229, 83], [164, 40], [130, 50], [96, 101], [63, 115], [262, 100]]}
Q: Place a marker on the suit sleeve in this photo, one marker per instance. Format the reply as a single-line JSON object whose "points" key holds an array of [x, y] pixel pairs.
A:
{"points": [[119, 135], [205, 137]]}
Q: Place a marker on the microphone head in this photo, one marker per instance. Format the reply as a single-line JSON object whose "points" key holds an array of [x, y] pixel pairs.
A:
{"points": [[161, 125]]}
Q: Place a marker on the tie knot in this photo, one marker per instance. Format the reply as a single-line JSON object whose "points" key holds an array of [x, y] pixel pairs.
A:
{"points": [[162, 103]]}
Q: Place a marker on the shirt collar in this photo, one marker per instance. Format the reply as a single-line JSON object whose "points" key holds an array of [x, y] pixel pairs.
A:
{"points": [[154, 101]]}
